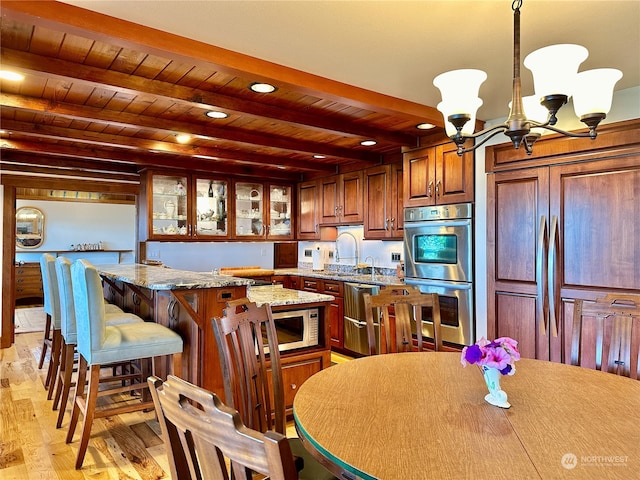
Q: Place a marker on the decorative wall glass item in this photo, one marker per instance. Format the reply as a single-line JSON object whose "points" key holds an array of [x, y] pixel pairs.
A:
{"points": [[29, 227]]}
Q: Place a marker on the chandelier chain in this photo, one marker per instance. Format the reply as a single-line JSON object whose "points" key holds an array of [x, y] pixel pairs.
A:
{"points": [[516, 4]]}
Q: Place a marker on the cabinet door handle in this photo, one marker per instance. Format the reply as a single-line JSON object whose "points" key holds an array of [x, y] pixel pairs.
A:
{"points": [[392, 222], [386, 223], [293, 386], [438, 188], [551, 272], [541, 303], [429, 189], [316, 228]]}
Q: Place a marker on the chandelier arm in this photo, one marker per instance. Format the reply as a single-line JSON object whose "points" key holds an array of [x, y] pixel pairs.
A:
{"points": [[496, 129], [591, 133]]}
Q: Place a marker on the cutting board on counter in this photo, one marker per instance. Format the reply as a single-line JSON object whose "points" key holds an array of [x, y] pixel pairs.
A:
{"points": [[246, 271]]}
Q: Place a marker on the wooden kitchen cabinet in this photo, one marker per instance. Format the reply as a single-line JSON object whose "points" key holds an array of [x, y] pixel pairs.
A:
{"points": [[183, 207], [383, 197], [436, 175], [341, 199], [556, 233], [309, 210], [28, 283], [263, 211], [295, 371]]}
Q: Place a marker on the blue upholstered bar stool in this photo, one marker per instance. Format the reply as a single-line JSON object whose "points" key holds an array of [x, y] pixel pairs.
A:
{"points": [[52, 335], [113, 316], [53, 328], [101, 344]]}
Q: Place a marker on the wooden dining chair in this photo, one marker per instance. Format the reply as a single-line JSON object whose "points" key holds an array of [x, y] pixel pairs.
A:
{"points": [[202, 432], [606, 334], [407, 303], [250, 361]]}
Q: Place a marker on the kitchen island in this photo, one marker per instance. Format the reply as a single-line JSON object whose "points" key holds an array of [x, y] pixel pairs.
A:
{"points": [[186, 302]]}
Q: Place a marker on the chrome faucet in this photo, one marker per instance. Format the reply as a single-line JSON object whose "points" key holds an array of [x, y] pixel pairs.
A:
{"points": [[373, 266], [356, 247]]}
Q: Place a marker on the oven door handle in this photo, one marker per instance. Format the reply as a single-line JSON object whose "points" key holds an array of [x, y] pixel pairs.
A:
{"points": [[541, 299]]}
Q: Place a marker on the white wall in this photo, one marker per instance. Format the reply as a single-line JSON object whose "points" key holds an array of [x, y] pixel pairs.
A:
{"points": [[68, 223]]}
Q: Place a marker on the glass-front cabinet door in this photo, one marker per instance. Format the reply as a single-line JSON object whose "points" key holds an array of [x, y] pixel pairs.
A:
{"points": [[211, 216], [169, 206], [279, 211], [249, 217]]}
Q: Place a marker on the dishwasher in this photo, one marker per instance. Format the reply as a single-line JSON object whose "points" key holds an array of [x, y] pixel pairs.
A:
{"points": [[355, 323]]}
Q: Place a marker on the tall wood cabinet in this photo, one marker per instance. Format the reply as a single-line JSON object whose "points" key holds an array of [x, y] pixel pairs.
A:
{"points": [[566, 227], [437, 175], [383, 198]]}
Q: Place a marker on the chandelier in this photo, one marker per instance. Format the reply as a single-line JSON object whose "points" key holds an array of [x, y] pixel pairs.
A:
{"points": [[555, 79]]}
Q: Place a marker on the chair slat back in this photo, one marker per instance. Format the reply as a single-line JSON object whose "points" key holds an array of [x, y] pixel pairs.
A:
{"points": [[407, 303], [200, 432], [606, 334], [250, 360]]}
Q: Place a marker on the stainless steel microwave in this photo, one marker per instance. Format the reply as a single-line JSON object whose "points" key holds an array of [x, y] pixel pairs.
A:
{"points": [[297, 328]]}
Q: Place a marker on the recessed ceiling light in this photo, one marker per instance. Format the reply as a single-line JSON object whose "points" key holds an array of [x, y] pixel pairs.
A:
{"points": [[7, 75], [425, 126], [183, 138], [368, 143], [262, 87], [216, 114], [319, 156]]}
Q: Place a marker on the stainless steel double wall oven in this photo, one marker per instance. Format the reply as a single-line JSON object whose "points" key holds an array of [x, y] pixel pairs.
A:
{"points": [[438, 252]]}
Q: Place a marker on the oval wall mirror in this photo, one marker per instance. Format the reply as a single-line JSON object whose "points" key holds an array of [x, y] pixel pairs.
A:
{"points": [[29, 227]]}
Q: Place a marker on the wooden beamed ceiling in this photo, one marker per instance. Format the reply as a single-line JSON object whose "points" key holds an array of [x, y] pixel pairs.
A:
{"points": [[102, 96]]}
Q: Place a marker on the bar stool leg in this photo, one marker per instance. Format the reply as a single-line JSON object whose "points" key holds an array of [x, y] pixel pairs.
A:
{"points": [[66, 383], [89, 413], [54, 362], [45, 341], [80, 386]]}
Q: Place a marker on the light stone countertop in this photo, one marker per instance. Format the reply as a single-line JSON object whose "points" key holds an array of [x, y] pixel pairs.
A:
{"points": [[342, 276], [276, 296], [160, 278]]}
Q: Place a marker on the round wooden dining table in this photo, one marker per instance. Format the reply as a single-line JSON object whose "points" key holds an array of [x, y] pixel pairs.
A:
{"points": [[423, 415]]}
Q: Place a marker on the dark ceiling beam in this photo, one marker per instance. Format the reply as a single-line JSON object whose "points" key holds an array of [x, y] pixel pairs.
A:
{"points": [[82, 22], [112, 117], [17, 162], [60, 156], [140, 145], [195, 98]]}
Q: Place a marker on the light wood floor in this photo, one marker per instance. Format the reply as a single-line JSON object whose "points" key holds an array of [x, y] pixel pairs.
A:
{"points": [[122, 447]]}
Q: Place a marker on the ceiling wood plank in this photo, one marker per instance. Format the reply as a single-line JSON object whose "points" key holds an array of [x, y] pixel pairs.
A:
{"points": [[68, 71], [81, 112]]}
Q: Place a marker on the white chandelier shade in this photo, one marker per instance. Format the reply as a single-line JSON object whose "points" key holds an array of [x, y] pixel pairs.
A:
{"points": [[554, 68], [471, 107], [593, 91]]}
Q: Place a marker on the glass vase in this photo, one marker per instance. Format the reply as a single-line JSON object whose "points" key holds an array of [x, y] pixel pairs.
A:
{"points": [[496, 396]]}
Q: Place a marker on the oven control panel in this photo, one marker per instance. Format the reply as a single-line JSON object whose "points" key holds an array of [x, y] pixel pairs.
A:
{"points": [[438, 212]]}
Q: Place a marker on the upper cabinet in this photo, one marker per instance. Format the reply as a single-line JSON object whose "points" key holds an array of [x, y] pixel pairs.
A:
{"points": [[341, 199], [190, 207], [308, 210], [182, 207], [383, 187], [263, 211], [437, 175]]}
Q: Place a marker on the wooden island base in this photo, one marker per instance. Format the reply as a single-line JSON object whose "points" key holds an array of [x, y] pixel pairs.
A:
{"points": [[187, 301]]}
